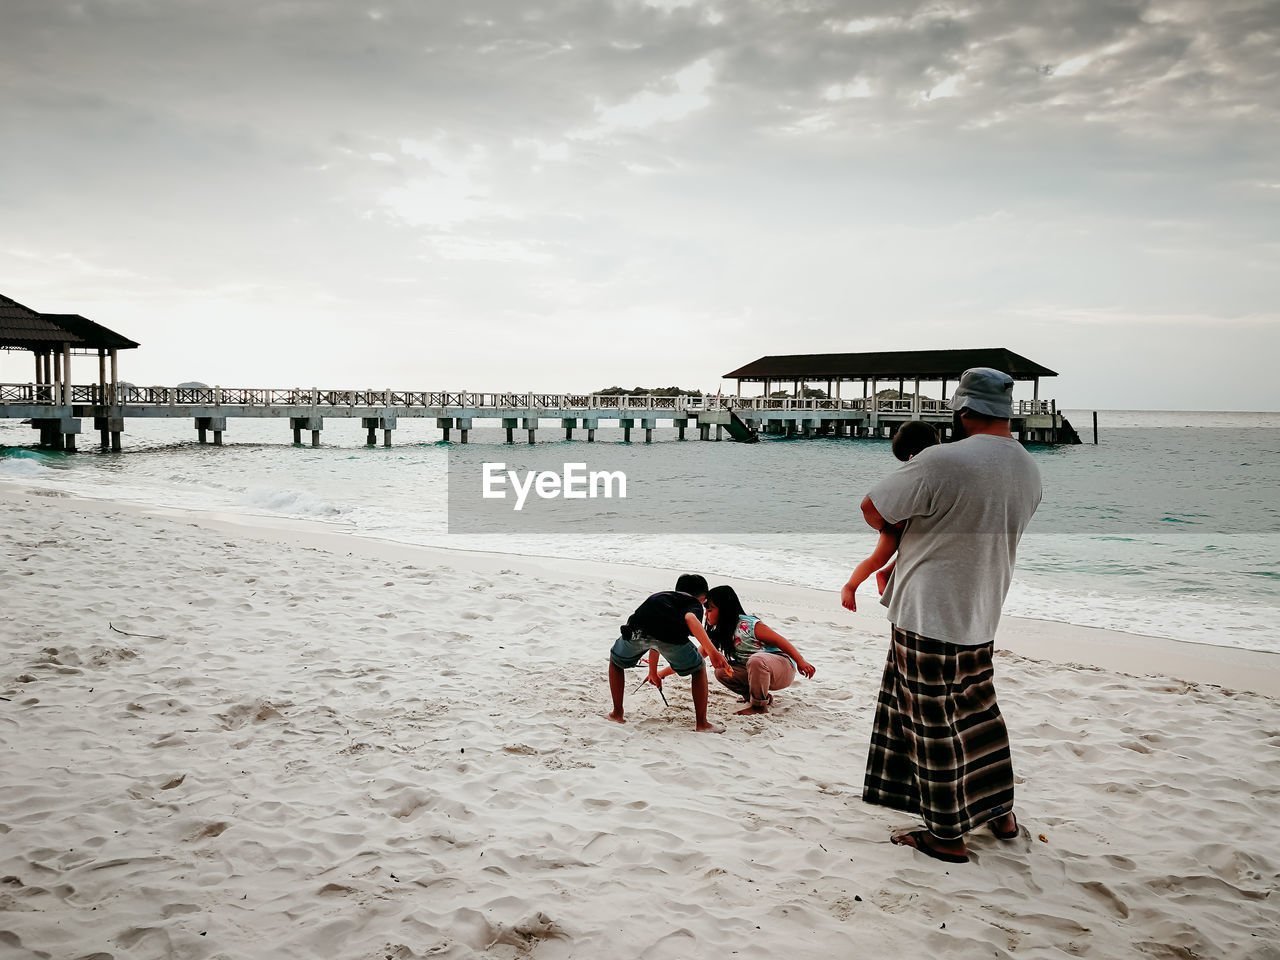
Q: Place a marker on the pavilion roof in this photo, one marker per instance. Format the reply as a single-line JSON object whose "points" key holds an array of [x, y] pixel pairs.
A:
{"points": [[27, 329], [889, 365]]}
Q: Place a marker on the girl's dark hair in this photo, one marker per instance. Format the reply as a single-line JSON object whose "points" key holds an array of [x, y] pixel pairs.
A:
{"points": [[730, 607], [912, 437]]}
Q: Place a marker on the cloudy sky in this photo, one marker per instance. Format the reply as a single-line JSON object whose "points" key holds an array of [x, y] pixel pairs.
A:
{"points": [[484, 195]]}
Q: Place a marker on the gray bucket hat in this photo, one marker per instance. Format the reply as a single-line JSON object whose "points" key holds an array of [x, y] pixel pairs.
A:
{"points": [[986, 391]]}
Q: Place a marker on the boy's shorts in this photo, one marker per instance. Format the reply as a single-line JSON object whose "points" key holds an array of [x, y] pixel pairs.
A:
{"points": [[684, 658]]}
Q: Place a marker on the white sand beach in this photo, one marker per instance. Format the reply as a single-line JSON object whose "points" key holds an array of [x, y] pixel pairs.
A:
{"points": [[221, 739]]}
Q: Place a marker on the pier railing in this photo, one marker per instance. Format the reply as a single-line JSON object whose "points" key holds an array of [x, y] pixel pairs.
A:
{"points": [[34, 394], [1030, 408]]}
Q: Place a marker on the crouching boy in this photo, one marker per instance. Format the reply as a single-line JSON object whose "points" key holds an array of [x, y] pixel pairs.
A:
{"points": [[663, 625]]}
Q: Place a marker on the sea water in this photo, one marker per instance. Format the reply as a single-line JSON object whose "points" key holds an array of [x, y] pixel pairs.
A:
{"points": [[1169, 526]]}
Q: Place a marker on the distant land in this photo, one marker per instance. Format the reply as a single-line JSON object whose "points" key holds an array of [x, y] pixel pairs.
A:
{"points": [[647, 392]]}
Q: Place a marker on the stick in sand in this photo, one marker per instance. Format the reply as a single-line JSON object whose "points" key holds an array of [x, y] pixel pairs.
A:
{"points": [[656, 687], [143, 636]]}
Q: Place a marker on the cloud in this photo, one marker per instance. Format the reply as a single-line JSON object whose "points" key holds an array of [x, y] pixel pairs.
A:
{"points": [[683, 93], [874, 167], [1112, 317]]}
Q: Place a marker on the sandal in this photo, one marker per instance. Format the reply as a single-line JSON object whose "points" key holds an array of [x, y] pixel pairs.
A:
{"points": [[1005, 834], [919, 842]]}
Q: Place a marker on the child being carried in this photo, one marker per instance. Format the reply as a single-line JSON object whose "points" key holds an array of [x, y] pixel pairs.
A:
{"points": [[909, 440]]}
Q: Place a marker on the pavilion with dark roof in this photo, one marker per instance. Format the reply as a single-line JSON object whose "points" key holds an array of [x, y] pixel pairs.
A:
{"points": [[52, 339], [877, 412], [873, 369]]}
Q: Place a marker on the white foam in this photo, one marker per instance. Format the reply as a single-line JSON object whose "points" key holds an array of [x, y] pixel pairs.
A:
{"points": [[296, 503], [24, 468]]}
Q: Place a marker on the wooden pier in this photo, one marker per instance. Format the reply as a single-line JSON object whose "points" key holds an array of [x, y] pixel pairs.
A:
{"points": [[58, 408], [379, 411]]}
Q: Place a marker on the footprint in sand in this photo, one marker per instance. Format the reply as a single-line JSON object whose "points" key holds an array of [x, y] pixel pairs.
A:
{"points": [[211, 830]]}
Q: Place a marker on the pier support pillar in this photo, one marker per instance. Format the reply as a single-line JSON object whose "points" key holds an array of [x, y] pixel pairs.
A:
{"points": [[590, 425], [109, 428], [464, 426], [113, 426], [649, 423], [626, 424], [568, 423], [509, 424], [680, 425], [531, 425], [445, 424], [704, 431], [68, 428], [719, 432], [58, 433], [206, 424], [314, 424], [386, 422], [104, 435]]}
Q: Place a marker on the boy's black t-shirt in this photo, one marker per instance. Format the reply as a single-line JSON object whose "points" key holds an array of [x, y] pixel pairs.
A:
{"points": [[662, 616]]}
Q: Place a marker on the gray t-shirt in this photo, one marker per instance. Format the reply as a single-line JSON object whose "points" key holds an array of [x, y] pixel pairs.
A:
{"points": [[966, 505]]}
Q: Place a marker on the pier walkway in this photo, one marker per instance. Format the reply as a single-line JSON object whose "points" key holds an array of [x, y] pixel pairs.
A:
{"points": [[58, 410]]}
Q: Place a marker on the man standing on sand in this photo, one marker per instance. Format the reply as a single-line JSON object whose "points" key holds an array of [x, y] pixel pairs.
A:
{"points": [[939, 747]]}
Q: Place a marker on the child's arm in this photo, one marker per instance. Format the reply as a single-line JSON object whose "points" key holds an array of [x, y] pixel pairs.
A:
{"points": [[774, 639], [882, 576], [886, 547], [708, 648]]}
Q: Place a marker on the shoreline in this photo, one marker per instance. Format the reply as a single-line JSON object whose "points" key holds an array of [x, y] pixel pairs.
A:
{"points": [[1055, 641]]}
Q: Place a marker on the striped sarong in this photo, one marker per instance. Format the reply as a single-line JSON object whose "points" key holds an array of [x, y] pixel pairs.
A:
{"points": [[939, 747]]}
